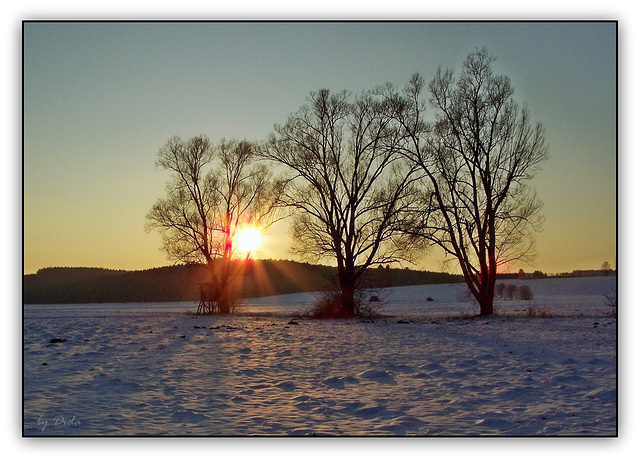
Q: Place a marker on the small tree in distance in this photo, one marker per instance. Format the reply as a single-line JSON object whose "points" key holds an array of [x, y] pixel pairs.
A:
{"points": [[213, 193]]}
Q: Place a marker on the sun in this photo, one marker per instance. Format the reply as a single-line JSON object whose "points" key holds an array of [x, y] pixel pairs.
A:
{"points": [[248, 240]]}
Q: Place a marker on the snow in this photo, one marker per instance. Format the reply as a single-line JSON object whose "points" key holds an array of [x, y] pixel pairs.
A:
{"points": [[155, 369]]}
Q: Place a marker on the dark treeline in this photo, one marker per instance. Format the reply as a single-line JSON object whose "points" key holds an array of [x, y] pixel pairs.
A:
{"points": [[63, 285]]}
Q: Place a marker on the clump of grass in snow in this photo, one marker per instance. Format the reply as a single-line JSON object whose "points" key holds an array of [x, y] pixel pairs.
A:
{"points": [[612, 302], [533, 313]]}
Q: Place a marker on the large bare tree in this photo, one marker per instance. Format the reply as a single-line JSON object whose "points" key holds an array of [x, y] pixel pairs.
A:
{"points": [[475, 160], [213, 193], [348, 185]]}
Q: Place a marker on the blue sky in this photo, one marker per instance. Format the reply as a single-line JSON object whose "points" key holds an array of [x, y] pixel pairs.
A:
{"points": [[100, 99]]}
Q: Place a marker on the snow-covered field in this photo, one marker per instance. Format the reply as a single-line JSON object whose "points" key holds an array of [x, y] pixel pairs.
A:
{"points": [[426, 369]]}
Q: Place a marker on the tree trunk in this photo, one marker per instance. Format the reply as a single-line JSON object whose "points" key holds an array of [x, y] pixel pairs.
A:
{"points": [[224, 305], [348, 289], [221, 288], [487, 288], [348, 302], [224, 295], [486, 304]]}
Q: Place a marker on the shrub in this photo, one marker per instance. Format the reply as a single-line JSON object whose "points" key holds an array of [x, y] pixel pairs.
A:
{"points": [[499, 289], [524, 292], [330, 306], [509, 290], [369, 311]]}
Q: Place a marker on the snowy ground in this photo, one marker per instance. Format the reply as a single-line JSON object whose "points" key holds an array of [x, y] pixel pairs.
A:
{"points": [[152, 369]]}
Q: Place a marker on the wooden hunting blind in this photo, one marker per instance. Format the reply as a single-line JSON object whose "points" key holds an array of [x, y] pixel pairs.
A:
{"points": [[208, 299]]}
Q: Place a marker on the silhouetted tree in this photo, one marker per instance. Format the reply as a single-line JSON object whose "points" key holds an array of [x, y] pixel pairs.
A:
{"points": [[606, 268], [205, 208], [348, 185], [475, 160]]}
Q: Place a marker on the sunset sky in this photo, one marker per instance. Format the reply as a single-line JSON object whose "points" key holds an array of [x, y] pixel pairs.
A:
{"points": [[100, 99]]}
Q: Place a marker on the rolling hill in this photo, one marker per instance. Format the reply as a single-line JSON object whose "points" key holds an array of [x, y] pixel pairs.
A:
{"points": [[65, 285]]}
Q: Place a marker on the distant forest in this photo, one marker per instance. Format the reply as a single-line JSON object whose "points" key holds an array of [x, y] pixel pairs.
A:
{"points": [[63, 285]]}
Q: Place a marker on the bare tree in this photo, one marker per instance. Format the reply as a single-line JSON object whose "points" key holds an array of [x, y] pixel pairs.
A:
{"points": [[348, 185], [204, 209], [475, 160]]}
